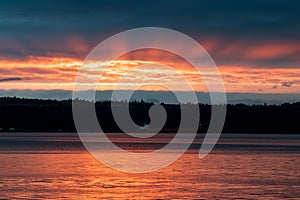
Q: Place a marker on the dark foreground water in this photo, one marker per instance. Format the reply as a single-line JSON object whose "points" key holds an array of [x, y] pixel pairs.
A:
{"points": [[56, 166]]}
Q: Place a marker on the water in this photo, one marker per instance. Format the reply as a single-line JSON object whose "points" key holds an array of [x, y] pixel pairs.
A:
{"points": [[56, 166]]}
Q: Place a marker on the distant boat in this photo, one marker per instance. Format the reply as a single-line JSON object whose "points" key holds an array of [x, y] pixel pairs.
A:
{"points": [[145, 126]]}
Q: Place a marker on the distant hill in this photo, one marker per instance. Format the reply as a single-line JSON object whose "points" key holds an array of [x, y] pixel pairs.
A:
{"points": [[159, 96]]}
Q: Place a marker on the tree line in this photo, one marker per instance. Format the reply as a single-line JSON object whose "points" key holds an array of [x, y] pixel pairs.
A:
{"points": [[37, 115]]}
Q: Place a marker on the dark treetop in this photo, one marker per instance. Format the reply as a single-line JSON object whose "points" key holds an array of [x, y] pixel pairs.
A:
{"points": [[35, 115]]}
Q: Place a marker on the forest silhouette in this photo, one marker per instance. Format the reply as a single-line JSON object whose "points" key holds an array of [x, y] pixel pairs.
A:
{"points": [[37, 115]]}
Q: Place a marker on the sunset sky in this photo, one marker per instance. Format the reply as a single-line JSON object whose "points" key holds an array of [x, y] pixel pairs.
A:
{"points": [[255, 44]]}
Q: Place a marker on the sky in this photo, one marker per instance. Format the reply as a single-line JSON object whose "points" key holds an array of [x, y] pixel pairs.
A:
{"points": [[255, 44]]}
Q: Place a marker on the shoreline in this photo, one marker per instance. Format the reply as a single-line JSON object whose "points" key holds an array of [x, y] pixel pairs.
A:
{"points": [[26, 142]]}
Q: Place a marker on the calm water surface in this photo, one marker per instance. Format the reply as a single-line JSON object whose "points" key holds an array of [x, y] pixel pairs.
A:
{"points": [[240, 167]]}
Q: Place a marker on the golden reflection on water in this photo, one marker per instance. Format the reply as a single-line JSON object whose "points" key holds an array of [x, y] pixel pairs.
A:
{"points": [[69, 175]]}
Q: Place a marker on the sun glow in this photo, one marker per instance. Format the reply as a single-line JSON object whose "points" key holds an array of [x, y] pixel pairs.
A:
{"points": [[59, 73]]}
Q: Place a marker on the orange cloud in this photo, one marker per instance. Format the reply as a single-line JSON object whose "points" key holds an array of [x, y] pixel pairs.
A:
{"points": [[60, 72]]}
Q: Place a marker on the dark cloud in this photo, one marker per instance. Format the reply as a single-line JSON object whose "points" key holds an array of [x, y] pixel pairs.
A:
{"points": [[288, 84], [51, 28], [10, 79]]}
